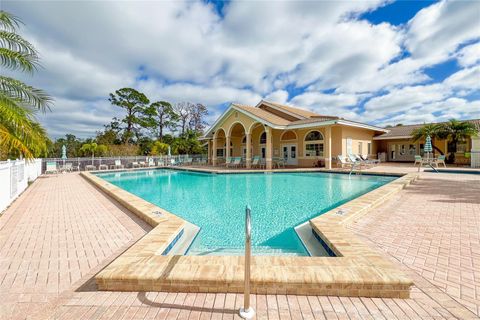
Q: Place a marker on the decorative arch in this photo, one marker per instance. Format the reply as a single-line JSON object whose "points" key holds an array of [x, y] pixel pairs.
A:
{"points": [[313, 135], [288, 135], [313, 146], [252, 126], [215, 135], [232, 126]]}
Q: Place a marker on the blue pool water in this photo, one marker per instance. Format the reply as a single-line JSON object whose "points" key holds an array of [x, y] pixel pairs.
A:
{"points": [[216, 203]]}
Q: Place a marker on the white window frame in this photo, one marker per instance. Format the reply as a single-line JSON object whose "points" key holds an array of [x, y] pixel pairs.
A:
{"points": [[321, 144]]}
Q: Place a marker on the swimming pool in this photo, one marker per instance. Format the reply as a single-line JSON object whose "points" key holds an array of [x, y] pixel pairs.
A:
{"points": [[216, 203]]}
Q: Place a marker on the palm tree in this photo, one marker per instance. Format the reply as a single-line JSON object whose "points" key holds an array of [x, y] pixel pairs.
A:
{"points": [[432, 130], [456, 131], [20, 133]]}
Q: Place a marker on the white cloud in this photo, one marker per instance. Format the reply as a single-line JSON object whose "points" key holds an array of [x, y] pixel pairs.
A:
{"points": [[436, 31], [183, 50], [469, 55]]}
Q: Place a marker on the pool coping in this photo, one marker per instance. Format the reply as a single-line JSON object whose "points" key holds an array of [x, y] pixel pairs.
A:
{"points": [[357, 269]]}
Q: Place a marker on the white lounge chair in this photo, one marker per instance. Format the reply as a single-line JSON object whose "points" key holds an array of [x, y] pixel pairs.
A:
{"points": [[51, 167], [343, 162], [237, 162], [369, 161], [134, 164], [151, 162], [118, 164]]}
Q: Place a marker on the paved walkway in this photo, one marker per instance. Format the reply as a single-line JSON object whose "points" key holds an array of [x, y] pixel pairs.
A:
{"points": [[62, 231]]}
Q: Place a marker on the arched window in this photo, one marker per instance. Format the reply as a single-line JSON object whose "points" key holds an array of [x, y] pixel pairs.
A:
{"points": [[314, 144], [263, 138], [244, 140], [313, 136]]}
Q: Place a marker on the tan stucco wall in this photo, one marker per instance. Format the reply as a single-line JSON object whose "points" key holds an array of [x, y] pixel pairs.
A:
{"points": [[339, 134], [357, 135]]}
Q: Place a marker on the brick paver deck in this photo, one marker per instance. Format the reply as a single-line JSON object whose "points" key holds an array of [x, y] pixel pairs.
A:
{"points": [[62, 231]]}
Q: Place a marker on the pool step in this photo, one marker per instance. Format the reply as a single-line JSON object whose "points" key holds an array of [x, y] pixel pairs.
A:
{"points": [[259, 251]]}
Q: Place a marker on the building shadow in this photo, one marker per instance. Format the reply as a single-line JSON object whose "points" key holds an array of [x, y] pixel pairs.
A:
{"points": [[447, 191], [142, 297]]}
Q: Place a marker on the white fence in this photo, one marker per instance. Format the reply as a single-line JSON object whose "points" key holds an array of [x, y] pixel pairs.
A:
{"points": [[99, 163], [14, 178], [475, 153]]}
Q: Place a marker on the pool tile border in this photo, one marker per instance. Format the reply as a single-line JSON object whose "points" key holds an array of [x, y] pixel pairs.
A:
{"points": [[357, 270]]}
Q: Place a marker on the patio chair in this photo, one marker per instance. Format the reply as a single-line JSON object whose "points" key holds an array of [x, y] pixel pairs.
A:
{"points": [[369, 161], [255, 162], [151, 162], [161, 163], [134, 164], [280, 162], [51, 167], [343, 162], [355, 160], [237, 162], [440, 160], [188, 161], [173, 162], [68, 167], [228, 162], [118, 165], [142, 164], [420, 161]]}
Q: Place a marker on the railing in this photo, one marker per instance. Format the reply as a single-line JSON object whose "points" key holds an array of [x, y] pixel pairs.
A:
{"points": [[99, 163], [247, 311]]}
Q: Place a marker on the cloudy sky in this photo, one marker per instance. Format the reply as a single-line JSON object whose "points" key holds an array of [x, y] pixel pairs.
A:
{"points": [[381, 62]]}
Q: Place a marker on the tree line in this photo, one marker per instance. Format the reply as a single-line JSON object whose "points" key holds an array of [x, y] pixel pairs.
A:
{"points": [[147, 128]]}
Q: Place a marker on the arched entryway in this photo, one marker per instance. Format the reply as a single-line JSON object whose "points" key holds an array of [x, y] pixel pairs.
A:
{"points": [[237, 134]]}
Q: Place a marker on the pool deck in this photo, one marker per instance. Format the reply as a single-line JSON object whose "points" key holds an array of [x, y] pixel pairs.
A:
{"points": [[356, 270], [62, 231]]}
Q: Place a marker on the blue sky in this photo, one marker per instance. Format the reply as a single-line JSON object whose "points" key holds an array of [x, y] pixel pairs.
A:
{"points": [[380, 62]]}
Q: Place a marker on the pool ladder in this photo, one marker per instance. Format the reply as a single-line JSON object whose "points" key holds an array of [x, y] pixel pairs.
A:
{"points": [[247, 311]]}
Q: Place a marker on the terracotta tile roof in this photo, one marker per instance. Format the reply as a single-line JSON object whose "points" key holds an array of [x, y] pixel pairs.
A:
{"points": [[264, 115], [406, 131]]}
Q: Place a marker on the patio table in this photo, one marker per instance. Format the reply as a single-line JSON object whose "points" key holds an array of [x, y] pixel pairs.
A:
{"points": [[89, 167], [103, 167]]}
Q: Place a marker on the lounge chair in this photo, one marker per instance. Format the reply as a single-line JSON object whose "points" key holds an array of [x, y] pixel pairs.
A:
{"points": [[151, 162], [228, 161], [51, 167], [118, 165], [355, 160], [343, 162], [280, 162], [237, 162], [369, 161], [142, 164], [255, 162], [67, 167], [134, 164], [440, 160]]}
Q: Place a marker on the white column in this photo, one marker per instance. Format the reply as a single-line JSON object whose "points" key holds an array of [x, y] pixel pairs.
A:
{"points": [[268, 147], [328, 147], [227, 147], [248, 159], [214, 147]]}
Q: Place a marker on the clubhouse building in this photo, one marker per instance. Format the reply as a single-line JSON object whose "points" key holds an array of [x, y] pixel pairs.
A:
{"points": [[301, 138]]}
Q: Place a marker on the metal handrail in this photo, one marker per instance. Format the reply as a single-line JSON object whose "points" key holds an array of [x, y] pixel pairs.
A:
{"points": [[247, 311]]}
